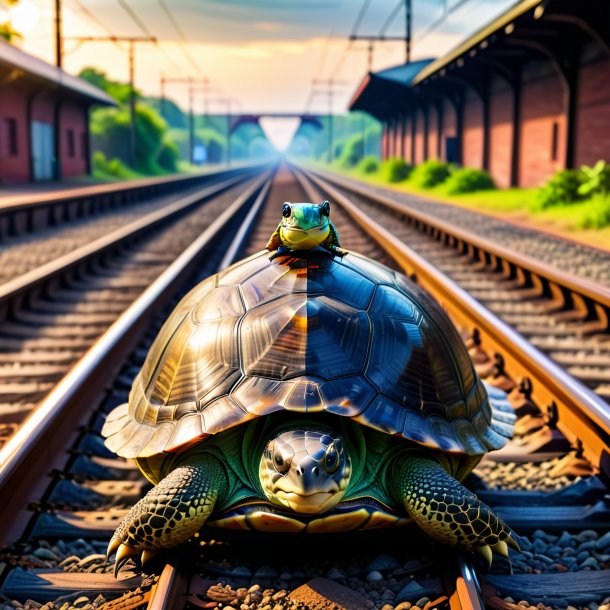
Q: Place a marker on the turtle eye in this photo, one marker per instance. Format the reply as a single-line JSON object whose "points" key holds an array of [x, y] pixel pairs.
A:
{"points": [[286, 210], [325, 206], [331, 459], [282, 464]]}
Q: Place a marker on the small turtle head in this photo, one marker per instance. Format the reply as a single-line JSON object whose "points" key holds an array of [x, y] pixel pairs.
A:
{"points": [[304, 225], [306, 471]]}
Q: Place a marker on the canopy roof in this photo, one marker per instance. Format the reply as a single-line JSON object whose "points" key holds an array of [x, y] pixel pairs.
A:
{"points": [[23, 65]]}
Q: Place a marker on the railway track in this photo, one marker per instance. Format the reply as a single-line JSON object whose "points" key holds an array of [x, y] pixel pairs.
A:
{"points": [[90, 489], [558, 323], [31, 213], [52, 314]]}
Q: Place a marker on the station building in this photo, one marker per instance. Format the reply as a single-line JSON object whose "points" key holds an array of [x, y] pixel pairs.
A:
{"points": [[44, 119], [522, 98]]}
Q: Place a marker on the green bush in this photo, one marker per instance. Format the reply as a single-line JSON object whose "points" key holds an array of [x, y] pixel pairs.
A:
{"points": [[562, 188], [113, 168], [369, 165], [596, 179], [395, 170], [352, 152], [597, 213], [430, 173], [468, 180], [169, 156]]}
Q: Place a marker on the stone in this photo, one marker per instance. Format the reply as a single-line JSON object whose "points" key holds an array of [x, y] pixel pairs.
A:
{"points": [[45, 554], [603, 543], [321, 593], [384, 562], [374, 576], [266, 572], [413, 590], [335, 574]]}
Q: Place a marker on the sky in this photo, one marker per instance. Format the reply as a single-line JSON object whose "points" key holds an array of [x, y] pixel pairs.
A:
{"points": [[263, 54]]}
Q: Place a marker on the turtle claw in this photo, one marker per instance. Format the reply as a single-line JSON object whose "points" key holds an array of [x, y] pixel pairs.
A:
{"points": [[501, 548], [485, 552], [147, 556], [113, 545], [123, 555], [513, 544]]}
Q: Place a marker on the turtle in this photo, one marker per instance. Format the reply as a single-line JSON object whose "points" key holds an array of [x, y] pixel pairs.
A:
{"points": [[305, 392]]}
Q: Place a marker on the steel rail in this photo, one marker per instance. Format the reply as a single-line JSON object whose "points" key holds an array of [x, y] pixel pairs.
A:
{"points": [[479, 246], [12, 203], [173, 582], [14, 291], [582, 415], [39, 445]]}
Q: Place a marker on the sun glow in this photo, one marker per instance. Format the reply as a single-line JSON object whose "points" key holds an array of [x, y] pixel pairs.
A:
{"points": [[23, 16]]}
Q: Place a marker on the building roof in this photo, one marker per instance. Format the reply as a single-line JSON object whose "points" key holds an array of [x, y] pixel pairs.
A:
{"points": [[15, 59], [380, 93], [404, 74], [521, 7]]}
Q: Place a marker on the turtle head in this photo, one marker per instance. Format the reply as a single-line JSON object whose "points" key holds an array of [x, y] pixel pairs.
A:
{"points": [[304, 225], [306, 471]]}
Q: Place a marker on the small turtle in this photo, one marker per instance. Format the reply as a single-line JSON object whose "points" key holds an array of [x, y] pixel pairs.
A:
{"points": [[307, 392], [305, 226]]}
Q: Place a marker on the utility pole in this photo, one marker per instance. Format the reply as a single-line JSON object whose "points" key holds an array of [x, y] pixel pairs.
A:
{"points": [[329, 85], [383, 38], [189, 81], [132, 41], [408, 19], [228, 101], [59, 43]]}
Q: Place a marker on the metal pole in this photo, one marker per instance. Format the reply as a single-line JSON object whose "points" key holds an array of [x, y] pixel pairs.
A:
{"points": [[191, 128], [132, 103], [58, 35], [163, 109], [408, 8], [330, 122], [229, 133]]}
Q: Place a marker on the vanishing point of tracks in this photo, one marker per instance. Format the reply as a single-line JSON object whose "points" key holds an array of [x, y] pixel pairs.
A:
{"points": [[64, 493]]}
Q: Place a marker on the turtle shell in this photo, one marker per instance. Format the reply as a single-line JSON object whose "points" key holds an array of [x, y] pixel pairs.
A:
{"points": [[312, 333]]}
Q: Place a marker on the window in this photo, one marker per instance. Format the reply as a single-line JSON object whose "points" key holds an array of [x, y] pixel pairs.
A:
{"points": [[12, 145], [555, 141], [71, 144]]}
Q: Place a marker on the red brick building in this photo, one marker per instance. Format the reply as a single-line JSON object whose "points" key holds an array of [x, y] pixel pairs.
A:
{"points": [[44, 119], [522, 98]]}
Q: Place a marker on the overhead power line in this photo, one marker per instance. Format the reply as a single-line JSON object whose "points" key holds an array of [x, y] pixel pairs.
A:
{"points": [[391, 17], [181, 34], [446, 14], [134, 17]]}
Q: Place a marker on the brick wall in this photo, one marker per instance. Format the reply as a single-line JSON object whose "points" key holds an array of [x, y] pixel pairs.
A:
{"points": [[542, 116], [14, 164], [419, 138], [449, 126], [593, 118], [73, 120], [407, 140], [432, 132], [501, 132], [472, 150]]}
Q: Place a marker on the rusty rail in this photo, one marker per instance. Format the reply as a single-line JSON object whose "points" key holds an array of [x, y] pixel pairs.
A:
{"points": [[39, 445], [585, 294], [582, 415], [22, 214], [13, 292]]}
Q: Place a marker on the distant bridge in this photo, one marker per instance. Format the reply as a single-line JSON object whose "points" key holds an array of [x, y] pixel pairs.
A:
{"points": [[237, 120]]}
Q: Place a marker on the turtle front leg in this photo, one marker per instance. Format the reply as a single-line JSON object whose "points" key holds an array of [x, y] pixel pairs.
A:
{"points": [[171, 512], [446, 510]]}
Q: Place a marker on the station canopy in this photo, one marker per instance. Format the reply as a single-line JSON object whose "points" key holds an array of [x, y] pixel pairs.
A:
{"points": [[384, 94]]}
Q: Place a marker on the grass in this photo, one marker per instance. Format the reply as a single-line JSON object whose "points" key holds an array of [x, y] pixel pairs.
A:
{"points": [[587, 221]]}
